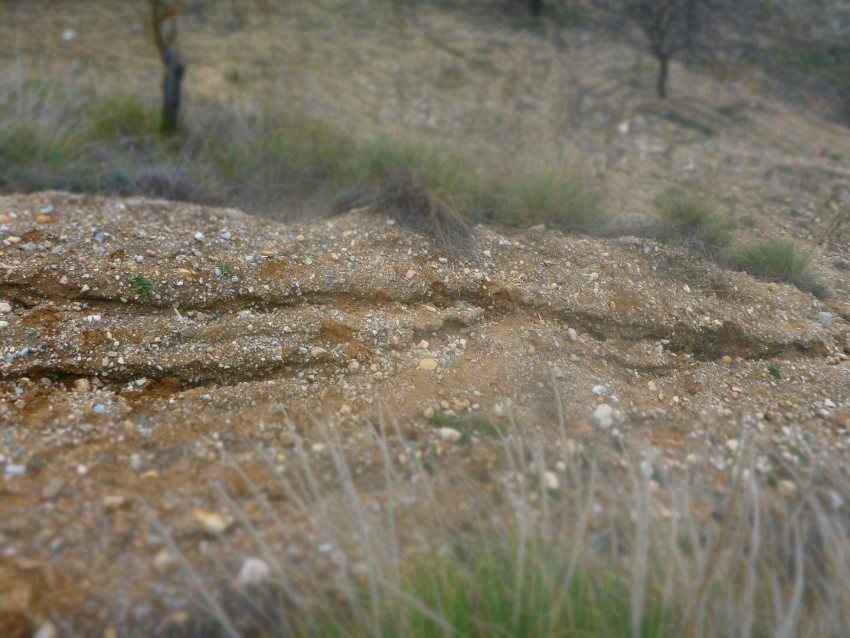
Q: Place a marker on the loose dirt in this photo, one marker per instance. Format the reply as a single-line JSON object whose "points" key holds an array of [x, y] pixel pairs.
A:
{"points": [[122, 400]]}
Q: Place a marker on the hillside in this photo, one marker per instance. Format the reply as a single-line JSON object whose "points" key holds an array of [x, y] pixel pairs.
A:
{"points": [[226, 410], [121, 400]]}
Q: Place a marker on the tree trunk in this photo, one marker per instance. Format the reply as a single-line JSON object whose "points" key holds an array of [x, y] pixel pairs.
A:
{"points": [[536, 7], [171, 83], [662, 77]]}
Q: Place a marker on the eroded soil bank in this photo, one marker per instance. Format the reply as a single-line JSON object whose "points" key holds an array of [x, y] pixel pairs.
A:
{"points": [[145, 342]]}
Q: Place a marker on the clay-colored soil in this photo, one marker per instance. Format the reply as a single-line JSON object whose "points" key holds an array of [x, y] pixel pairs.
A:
{"points": [[116, 404]]}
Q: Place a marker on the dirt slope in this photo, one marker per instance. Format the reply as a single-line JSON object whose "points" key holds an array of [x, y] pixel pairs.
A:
{"points": [[116, 399]]}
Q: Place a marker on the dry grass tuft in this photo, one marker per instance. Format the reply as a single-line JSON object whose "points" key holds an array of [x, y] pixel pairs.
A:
{"points": [[689, 216], [777, 260], [615, 546], [403, 197]]}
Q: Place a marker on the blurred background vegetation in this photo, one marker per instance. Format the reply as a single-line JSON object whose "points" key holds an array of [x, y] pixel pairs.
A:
{"points": [[508, 106]]}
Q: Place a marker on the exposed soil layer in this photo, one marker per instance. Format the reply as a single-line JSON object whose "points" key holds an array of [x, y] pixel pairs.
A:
{"points": [[145, 342]]}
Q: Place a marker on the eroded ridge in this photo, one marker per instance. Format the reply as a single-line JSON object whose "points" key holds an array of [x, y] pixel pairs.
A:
{"points": [[227, 297]]}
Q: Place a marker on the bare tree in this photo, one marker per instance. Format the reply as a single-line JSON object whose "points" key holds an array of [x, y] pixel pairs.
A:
{"points": [[163, 26], [671, 27]]}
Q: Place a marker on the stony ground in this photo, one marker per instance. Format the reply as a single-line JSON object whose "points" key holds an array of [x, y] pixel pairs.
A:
{"points": [[121, 399], [145, 345]]}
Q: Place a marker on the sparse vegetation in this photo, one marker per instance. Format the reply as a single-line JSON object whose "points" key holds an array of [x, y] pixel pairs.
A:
{"points": [[469, 425], [559, 201], [274, 418], [121, 118], [689, 216], [267, 162], [142, 287], [523, 561], [779, 260]]}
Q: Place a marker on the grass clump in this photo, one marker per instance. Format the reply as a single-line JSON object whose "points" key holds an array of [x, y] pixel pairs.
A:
{"points": [[404, 197], [689, 217], [53, 136], [486, 590], [142, 287], [779, 260], [379, 159], [122, 116], [562, 202], [468, 426]]}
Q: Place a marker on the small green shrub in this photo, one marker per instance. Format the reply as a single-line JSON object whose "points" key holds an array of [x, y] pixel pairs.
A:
{"points": [[778, 260], [689, 217], [558, 201], [774, 371], [478, 589], [122, 116], [468, 426], [379, 159], [142, 287]]}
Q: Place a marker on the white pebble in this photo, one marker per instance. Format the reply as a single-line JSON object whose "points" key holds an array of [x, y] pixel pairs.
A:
{"points": [[254, 571], [449, 434], [603, 416]]}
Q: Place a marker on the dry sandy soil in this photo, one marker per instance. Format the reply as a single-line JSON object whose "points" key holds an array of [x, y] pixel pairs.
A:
{"points": [[121, 408], [118, 404]]}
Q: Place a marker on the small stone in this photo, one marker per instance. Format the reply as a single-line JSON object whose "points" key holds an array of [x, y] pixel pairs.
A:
{"points": [[165, 562], [46, 630], [603, 416], [82, 386], [410, 274], [726, 360], [212, 522], [826, 319], [114, 502], [550, 480], [4, 324], [5, 306], [52, 489], [428, 364], [686, 288], [428, 412], [187, 332], [254, 571], [559, 374], [449, 434], [572, 334], [199, 236], [732, 445], [600, 390], [354, 367], [15, 470]]}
